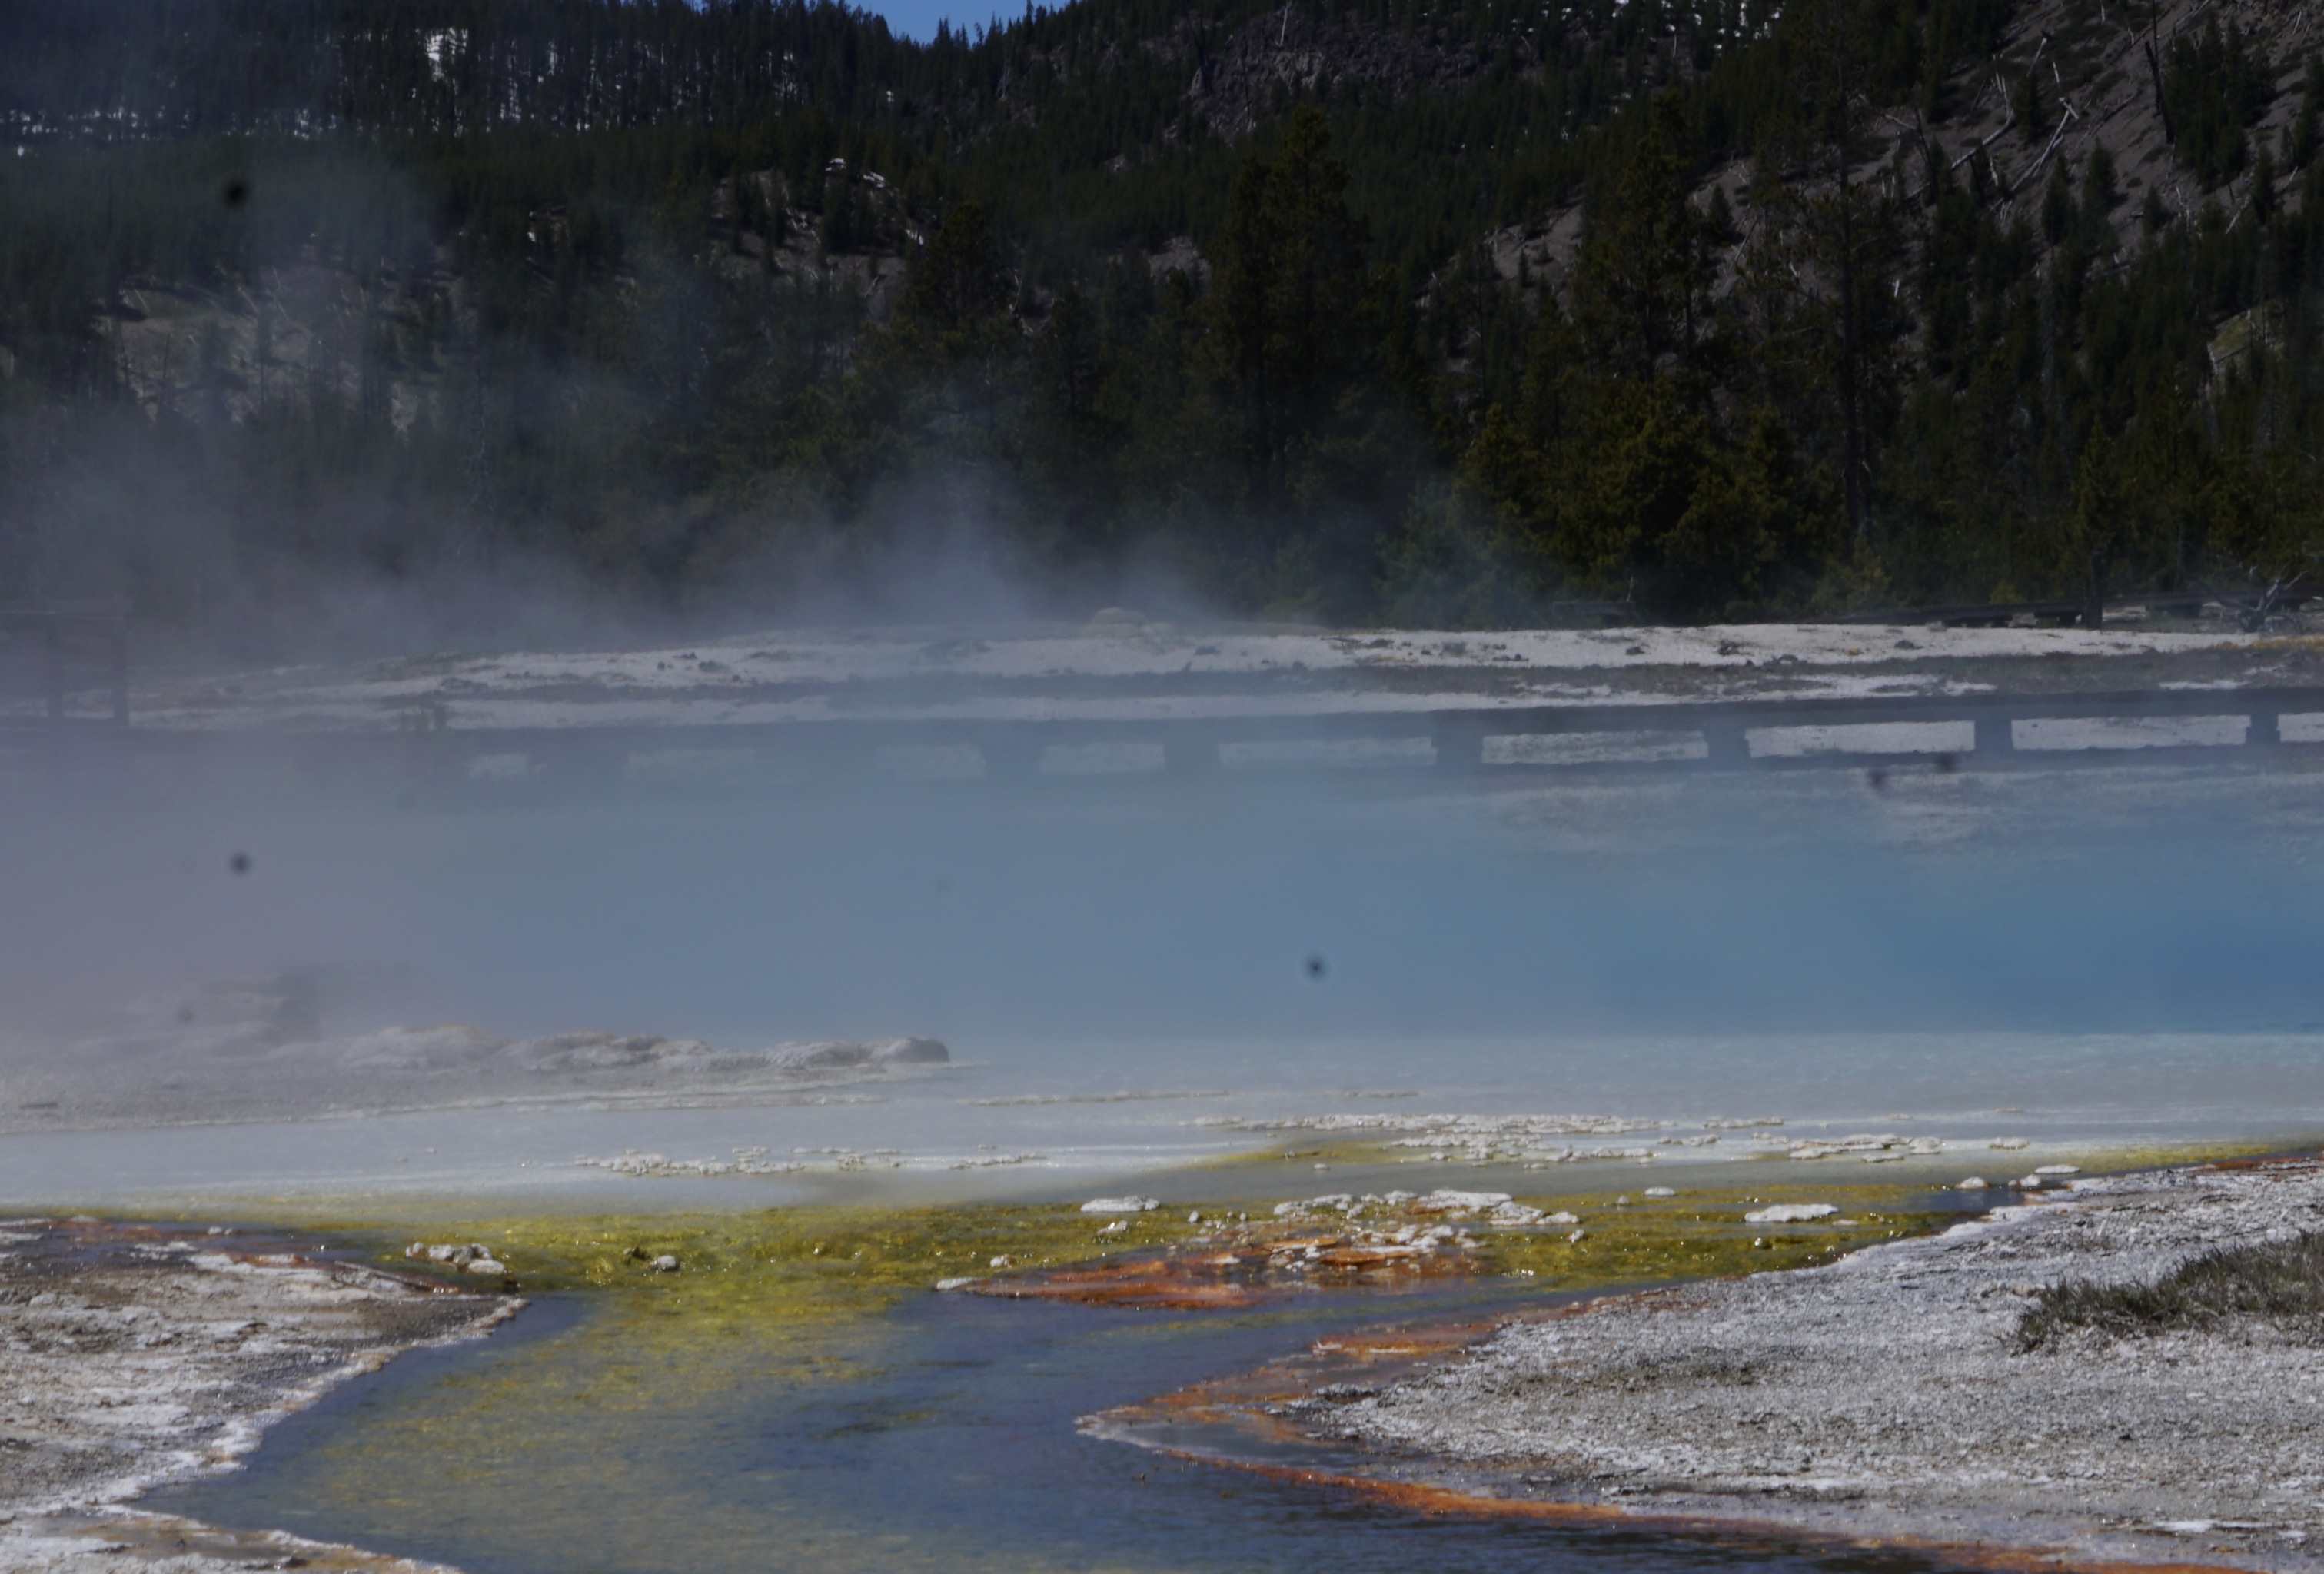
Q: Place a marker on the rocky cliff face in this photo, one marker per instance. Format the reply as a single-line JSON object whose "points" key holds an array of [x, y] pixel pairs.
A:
{"points": [[1295, 54], [287, 334], [2096, 91]]}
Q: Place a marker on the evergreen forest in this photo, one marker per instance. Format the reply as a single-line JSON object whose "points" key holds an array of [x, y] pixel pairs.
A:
{"points": [[1437, 312]]}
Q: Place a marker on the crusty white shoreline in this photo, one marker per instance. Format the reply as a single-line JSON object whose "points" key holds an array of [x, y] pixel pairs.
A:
{"points": [[1880, 1396], [246, 1070], [158, 1362]]}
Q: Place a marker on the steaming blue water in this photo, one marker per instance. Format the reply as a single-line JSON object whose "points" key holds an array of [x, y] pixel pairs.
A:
{"points": [[2157, 985], [1018, 929], [2156, 979]]}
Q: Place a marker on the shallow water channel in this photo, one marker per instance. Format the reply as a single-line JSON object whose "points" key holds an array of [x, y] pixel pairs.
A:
{"points": [[942, 1435]]}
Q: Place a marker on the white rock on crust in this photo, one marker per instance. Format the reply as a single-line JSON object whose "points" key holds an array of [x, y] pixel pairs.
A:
{"points": [[1119, 1205], [910, 1052], [456, 1256], [2057, 1170], [1443, 1200], [1660, 1191], [2008, 1145], [1857, 1143], [664, 1263], [843, 1054], [1974, 1183], [961, 1282], [1344, 1201], [1791, 1213]]}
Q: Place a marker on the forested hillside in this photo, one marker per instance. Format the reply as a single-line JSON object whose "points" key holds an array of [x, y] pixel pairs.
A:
{"points": [[1375, 310]]}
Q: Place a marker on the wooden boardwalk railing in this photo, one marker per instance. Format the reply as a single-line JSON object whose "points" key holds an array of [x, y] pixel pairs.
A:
{"points": [[1986, 731], [1457, 736], [61, 650]]}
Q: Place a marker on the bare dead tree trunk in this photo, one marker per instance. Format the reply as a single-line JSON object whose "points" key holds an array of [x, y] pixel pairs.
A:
{"points": [[1851, 411], [2162, 108]]}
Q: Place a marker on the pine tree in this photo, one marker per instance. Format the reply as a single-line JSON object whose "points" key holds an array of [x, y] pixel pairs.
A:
{"points": [[2028, 107], [2057, 204], [1643, 276]]}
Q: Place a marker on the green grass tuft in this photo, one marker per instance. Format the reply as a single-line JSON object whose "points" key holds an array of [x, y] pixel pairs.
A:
{"points": [[2278, 1282]]}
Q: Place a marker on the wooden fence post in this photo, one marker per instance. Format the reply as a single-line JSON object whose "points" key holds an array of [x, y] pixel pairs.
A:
{"points": [[118, 658], [1459, 744], [53, 654], [1726, 743], [1012, 757]]}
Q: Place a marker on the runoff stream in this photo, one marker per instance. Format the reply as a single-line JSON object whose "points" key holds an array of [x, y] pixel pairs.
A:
{"points": [[947, 1439]]}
